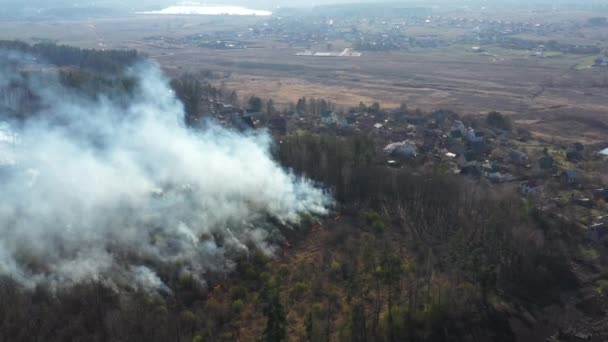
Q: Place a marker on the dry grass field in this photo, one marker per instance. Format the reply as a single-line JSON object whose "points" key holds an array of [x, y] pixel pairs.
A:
{"points": [[558, 98]]}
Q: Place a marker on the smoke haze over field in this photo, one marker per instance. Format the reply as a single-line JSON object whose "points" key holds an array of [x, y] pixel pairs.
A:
{"points": [[115, 192]]}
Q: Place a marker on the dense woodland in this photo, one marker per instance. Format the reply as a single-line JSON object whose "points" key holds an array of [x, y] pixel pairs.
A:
{"points": [[406, 256], [106, 61], [412, 258]]}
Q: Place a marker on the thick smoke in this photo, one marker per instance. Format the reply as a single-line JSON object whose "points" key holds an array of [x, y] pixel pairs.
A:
{"points": [[116, 192]]}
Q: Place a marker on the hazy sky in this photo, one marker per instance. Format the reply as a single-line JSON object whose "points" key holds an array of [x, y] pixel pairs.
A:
{"points": [[33, 7]]}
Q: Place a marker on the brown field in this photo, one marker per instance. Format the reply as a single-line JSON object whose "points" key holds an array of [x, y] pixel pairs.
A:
{"points": [[557, 98]]}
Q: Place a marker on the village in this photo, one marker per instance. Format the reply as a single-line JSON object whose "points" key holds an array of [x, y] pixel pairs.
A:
{"points": [[321, 34], [565, 180]]}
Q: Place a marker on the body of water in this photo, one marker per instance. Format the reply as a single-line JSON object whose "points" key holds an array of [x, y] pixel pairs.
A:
{"points": [[209, 10]]}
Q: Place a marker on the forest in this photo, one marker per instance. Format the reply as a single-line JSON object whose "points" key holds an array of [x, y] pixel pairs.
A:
{"points": [[406, 255], [104, 61]]}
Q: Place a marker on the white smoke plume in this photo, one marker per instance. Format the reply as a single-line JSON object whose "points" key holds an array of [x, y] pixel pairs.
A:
{"points": [[114, 192]]}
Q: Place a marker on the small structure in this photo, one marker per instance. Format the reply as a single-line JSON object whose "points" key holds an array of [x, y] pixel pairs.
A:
{"points": [[570, 177], [393, 163], [330, 118], [531, 187], [583, 202], [601, 194], [597, 232], [496, 177], [403, 149], [458, 129], [473, 136], [546, 163]]}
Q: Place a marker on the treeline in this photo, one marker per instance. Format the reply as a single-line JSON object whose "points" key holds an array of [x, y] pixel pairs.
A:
{"points": [[551, 45], [432, 256], [106, 61], [18, 101], [201, 98], [312, 106]]}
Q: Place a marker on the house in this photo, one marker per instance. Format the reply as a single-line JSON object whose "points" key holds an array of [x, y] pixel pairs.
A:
{"points": [[531, 187], [403, 149], [597, 232], [393, 163], [454, 133], [473, 136], [330, 118], [583, 202], [458, 129], [496, 177], [227, 109], [546, 163], [570, 177], [601, 194]]}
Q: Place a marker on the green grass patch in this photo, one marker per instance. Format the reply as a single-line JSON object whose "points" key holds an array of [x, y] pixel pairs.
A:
{"points": [[585, 63]]}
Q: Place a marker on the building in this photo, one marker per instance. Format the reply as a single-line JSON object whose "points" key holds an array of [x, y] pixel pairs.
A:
{"points": [[546, 163], [531, 187], [597, 232], [330, 119], [473, 136], [403, 149], [570, 177]]}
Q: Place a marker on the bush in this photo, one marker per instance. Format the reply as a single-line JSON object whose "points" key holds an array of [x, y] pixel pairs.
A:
{"points": [[298, 289], [497, 120], [238, 292], [237, 306]]}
